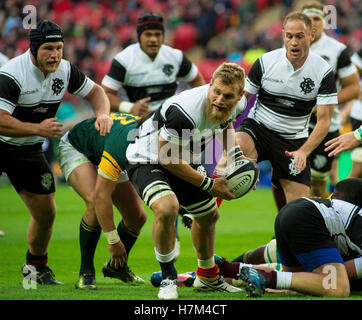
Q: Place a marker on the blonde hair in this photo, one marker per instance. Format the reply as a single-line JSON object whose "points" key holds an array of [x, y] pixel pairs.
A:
{"points": [[296, 15], [230, 73]]}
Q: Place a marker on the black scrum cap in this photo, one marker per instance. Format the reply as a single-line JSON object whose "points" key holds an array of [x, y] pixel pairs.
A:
{"points": [[46, 31], [149, 21]]}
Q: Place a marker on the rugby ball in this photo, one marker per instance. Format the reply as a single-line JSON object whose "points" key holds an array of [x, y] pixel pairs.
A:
{"points": [[242, 176]]}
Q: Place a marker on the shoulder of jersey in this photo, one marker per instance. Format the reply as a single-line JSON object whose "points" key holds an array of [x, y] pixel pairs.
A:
{"points": [[334, 43], [318, 62], [127, 52], [272, 56]]}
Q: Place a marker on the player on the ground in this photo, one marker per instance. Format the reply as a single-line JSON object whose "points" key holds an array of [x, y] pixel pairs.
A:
{"points": [[319, 243], [165, 168], [94, 166], [32, 86]]}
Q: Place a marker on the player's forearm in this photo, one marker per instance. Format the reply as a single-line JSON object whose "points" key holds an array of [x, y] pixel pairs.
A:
{"points": [[114, 101], [316, 137], [185, 172], [99, 101], [104, 212], [349, 93], [103, 203], [12, 127], [354, 268]]}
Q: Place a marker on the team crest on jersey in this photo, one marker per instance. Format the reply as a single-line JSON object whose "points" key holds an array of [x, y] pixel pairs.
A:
{"points": [[46, 181], [293, 168], [168, 69], [307, 85], [57, 86]]}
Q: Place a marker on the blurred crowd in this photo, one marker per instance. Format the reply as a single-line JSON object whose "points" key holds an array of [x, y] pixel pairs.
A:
{"points": [[207, 30]]}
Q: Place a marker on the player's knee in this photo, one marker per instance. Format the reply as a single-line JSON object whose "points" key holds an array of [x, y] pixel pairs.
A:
{"points": [[209, 220], [140, 220], [165, 211], [45, 217], [341, 291]]}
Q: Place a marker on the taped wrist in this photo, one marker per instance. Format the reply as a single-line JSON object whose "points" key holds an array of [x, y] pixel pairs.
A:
{"points": [[125, 106], [235, 153], [112, 237], [358, 133], [207, 184]]}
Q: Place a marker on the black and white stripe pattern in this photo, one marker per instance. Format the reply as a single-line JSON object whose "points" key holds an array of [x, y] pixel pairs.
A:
{"points": [[133, 72], [156, 190], [202, 208], [338, 57], [30, 97], [286, 97]]}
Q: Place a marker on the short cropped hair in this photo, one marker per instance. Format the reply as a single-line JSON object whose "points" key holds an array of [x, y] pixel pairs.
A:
{"points": [[349, 190], [296, 15], [230, 73]]}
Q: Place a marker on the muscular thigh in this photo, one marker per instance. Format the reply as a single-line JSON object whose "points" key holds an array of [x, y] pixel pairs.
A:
{"points": [[153, 182], [83, 180], [270, 146]]}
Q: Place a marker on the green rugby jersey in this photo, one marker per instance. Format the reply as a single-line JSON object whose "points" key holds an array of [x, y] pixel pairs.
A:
{"points": [[107, 152]]}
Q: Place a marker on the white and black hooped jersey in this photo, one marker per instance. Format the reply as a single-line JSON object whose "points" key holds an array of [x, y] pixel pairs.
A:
{"points": [[134, 72], [337, 56], [286, 97], [356, 111], [30, 97], [344, 222], [181, 120]]}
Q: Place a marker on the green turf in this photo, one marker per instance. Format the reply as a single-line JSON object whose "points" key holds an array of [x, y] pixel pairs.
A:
{"points": [[243, 224]]}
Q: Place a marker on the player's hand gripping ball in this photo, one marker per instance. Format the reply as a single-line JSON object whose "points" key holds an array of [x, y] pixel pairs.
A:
{"points": [[242, 175]]}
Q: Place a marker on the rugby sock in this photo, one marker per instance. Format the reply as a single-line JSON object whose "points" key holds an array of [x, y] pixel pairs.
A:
{"points": [[127, 236], [37, 261], [88, 239], [279, 198], [271, 278], [277, 279], [167, 265], [242, 258], [207, 269], [208, 274], [228, 269]]}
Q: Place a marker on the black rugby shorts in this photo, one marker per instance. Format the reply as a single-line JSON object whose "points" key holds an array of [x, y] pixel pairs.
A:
{"points": [[272, 147], [27, 168]]}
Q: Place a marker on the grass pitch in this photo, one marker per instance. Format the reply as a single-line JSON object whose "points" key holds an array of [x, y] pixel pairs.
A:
{"points": [[244, 224]]}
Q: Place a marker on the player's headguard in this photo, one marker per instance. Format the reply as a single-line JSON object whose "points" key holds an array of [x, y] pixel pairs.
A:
{"points": [[46, 31], [149, 21]]}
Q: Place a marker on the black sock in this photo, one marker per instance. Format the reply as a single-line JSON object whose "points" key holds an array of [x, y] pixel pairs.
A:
{"points": [[88, 239], [127, 237], [168, 270], [37, 261]]}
